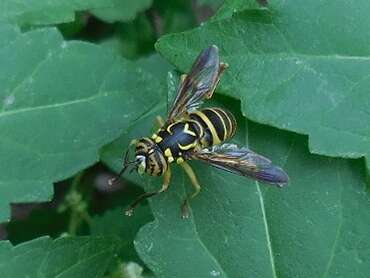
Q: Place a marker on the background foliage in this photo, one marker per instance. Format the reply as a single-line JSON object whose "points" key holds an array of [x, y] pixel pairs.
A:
{"points": [[80, 79]]}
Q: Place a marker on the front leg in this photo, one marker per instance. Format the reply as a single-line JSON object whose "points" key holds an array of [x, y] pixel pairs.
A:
{"points": [[166, 183]]}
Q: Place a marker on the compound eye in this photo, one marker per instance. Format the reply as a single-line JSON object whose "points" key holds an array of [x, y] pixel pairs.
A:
{"points": [[141, 164]]}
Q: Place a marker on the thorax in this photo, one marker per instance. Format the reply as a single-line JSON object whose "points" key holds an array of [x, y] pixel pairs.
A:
{"points": [[177, 140]]}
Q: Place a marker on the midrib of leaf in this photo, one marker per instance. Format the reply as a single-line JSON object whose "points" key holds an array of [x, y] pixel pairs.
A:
{"points": [[159, 106], [339, 229], [268, 239], [60, 104], [39, 154], [287, 54], [262, 204], [56, 105], [38, 65]]}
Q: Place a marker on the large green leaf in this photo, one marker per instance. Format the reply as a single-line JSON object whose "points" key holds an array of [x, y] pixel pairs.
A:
{"points": [[300, 66], [62, 101], [314, 227], [65, 257], [122, 10]]}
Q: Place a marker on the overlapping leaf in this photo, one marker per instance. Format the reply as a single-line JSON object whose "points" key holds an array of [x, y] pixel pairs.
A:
{"points": [[61, 101], [301, 66], [64, 257]]}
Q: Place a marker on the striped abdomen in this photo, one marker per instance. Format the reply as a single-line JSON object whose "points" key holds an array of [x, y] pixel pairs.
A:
{"points": [[216, 125]]}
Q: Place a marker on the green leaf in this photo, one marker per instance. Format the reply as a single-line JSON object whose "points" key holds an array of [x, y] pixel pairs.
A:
{"points": [[300, 66], [212, 3], [133, 39], [313, 227], [122, 10], [173, 16], [233, 6], [64, 257], [61, 102], [42, 12]]}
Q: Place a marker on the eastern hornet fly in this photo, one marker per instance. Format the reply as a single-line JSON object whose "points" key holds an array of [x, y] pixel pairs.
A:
{"points": [[192, 134]]}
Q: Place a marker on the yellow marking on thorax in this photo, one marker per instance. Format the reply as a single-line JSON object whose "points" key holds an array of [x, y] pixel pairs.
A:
{"points": [[187, 147], [188, 131], [169, 128], [209, 124], [169, 155]]}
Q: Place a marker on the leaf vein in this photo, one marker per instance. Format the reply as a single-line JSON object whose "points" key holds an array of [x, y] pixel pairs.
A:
{"points": [[268, 236]]}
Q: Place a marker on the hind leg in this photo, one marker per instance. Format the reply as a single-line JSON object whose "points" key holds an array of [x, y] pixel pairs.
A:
{"points": [[194, 181]]}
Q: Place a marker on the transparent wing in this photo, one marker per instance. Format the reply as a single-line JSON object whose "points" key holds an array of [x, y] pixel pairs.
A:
{"points": [[244, 162], [199, 84]]}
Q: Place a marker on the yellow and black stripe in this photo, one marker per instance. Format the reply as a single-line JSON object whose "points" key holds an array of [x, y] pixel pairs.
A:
{"points": [[218, 125], [156, 164]]}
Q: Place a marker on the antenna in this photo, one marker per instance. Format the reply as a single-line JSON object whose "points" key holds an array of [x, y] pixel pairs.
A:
{"points": [[125, 165]]}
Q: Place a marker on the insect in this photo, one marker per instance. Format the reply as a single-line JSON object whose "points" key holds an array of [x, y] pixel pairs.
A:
{"points": [[193, 134]]}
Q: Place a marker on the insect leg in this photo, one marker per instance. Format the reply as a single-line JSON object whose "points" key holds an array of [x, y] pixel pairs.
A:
{"points": [[193, 178], [160, 121], [223, 66], [166, 182]]}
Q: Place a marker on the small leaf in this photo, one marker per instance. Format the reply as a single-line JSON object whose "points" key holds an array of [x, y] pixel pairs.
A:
{"points": [[231, 7], [122, 10], [133, 39], [64, 257], [61, 102], [298, 66], [42, 12]]}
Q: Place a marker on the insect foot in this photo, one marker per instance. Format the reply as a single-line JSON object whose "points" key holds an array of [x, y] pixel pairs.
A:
{"points": [[185, 210], [112, 181], [129, 212]]}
